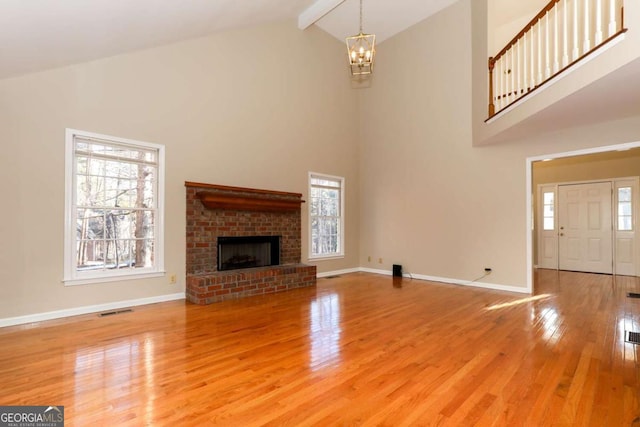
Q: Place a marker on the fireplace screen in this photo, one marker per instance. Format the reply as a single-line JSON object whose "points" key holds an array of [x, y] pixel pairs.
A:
{"points": [[247, 252]]}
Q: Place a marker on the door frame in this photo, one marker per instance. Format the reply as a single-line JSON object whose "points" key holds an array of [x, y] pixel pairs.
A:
{"points": [[530, 192], [616, 235]]}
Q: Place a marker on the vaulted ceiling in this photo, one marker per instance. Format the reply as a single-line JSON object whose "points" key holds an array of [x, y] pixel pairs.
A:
{"points": [[39, 34]]}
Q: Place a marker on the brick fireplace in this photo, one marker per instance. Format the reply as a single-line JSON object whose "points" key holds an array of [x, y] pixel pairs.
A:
{"points": [[215, 211]]}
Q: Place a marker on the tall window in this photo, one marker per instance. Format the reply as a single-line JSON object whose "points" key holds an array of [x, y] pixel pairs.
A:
{"points": [[326, 216], [114, 216], [625, 209], [548, 211]]}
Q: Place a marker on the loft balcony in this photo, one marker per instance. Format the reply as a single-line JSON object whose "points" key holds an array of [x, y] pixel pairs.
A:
{"points": [[576, 62]]}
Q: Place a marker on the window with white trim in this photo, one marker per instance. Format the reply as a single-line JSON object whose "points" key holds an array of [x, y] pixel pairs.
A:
{"points": [[548, 205], [326, 216], [625, 209], [114, 208]]}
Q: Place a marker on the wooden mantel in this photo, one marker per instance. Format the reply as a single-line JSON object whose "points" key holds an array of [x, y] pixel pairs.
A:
{"points": [[249, 199]]}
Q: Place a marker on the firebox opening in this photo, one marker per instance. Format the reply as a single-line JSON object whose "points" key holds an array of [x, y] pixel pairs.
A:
{"points": [[248, 252]]}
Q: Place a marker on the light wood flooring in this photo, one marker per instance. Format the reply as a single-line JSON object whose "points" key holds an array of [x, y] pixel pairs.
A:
{"points": [[359, 349]]}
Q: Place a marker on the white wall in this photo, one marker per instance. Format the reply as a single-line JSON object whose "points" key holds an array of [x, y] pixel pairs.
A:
{"points": [[506, 18], [419, 193], [430, 200], [226, 117]]}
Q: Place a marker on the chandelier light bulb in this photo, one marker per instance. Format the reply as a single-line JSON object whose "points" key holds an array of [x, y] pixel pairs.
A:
{"points": [[361, 51]]}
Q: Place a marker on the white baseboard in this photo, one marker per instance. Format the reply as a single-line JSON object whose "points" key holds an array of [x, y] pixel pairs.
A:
{"points": [[484, 285], [375, 271], [337, 272], [451, 281], [39, 317]]}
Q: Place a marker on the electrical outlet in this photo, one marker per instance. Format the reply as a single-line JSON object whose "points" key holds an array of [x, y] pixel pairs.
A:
{"points": [[487, 270], [173, 279], [379, 260]]}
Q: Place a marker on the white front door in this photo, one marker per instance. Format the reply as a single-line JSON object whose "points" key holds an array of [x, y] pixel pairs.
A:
{"points": [[584, 227]]}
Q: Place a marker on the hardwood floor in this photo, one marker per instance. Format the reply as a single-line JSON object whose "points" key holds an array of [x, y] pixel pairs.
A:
{"points": [[357, 350]]}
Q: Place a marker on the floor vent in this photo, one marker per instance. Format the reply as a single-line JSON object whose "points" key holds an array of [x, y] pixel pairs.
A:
{"points": [[633, 295], [332, 277], [633, 337], [111, 313]]}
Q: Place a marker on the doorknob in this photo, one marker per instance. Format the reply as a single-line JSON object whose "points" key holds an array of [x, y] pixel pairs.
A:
{"points": [[561, 234], [561, 228]]}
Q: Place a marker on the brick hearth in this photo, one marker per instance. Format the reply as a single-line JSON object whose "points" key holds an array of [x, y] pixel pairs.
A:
{"points": [[214, 210]]}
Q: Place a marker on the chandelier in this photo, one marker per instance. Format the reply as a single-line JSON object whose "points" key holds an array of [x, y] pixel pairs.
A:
{"points": [[361, 50]]}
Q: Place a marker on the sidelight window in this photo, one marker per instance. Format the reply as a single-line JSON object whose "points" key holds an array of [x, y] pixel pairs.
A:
{"points": [[548, 218], [625, 211]]}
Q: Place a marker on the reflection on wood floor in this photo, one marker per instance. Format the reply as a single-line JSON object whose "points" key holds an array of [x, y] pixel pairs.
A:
{"points": [[357, 350]]}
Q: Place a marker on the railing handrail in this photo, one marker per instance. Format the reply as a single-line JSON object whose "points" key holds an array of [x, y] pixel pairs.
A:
{"points": [[529, 63], [525, 30]]}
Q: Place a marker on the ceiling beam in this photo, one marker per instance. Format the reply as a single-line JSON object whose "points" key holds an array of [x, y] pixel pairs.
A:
{"points": [[316, 11]]}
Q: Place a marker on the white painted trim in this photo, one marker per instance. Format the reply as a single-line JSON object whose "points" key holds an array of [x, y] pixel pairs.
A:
{"points": [[375, 271], [71, 276], [50, 315], [529, 189], [635, 185], [538, 228], [114, 278], [483, 285], [529, 224], [343, 181], [450, 281], [316, 11], [337, 272], [324, 257]]}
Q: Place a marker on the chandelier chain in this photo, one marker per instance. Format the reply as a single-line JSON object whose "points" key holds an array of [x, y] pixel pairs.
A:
{"points": [[360, 16]]}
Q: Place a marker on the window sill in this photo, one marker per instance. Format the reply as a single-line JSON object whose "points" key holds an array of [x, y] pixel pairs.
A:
{"points": [[115, 278], [325, 257]]}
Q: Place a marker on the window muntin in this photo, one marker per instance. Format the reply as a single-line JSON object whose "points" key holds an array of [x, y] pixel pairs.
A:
{"points": [[114, 214], [625, 210], [548, 216], [326, 214]]}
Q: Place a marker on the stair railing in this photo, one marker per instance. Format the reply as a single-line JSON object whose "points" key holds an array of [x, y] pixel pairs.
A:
{"points": [[560, 35]]}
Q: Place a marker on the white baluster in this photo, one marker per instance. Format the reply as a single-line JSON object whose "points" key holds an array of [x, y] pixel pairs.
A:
{"points": [[556, 63], [576, 52], [565, 34], [500, 87], [598, 36], [587, 42], [518, 70], [496, 88], [503, 91], [613, 26], [525, 67], [512, 86], [505, 76], [547, 47], [532, 54], [539, 25]]}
